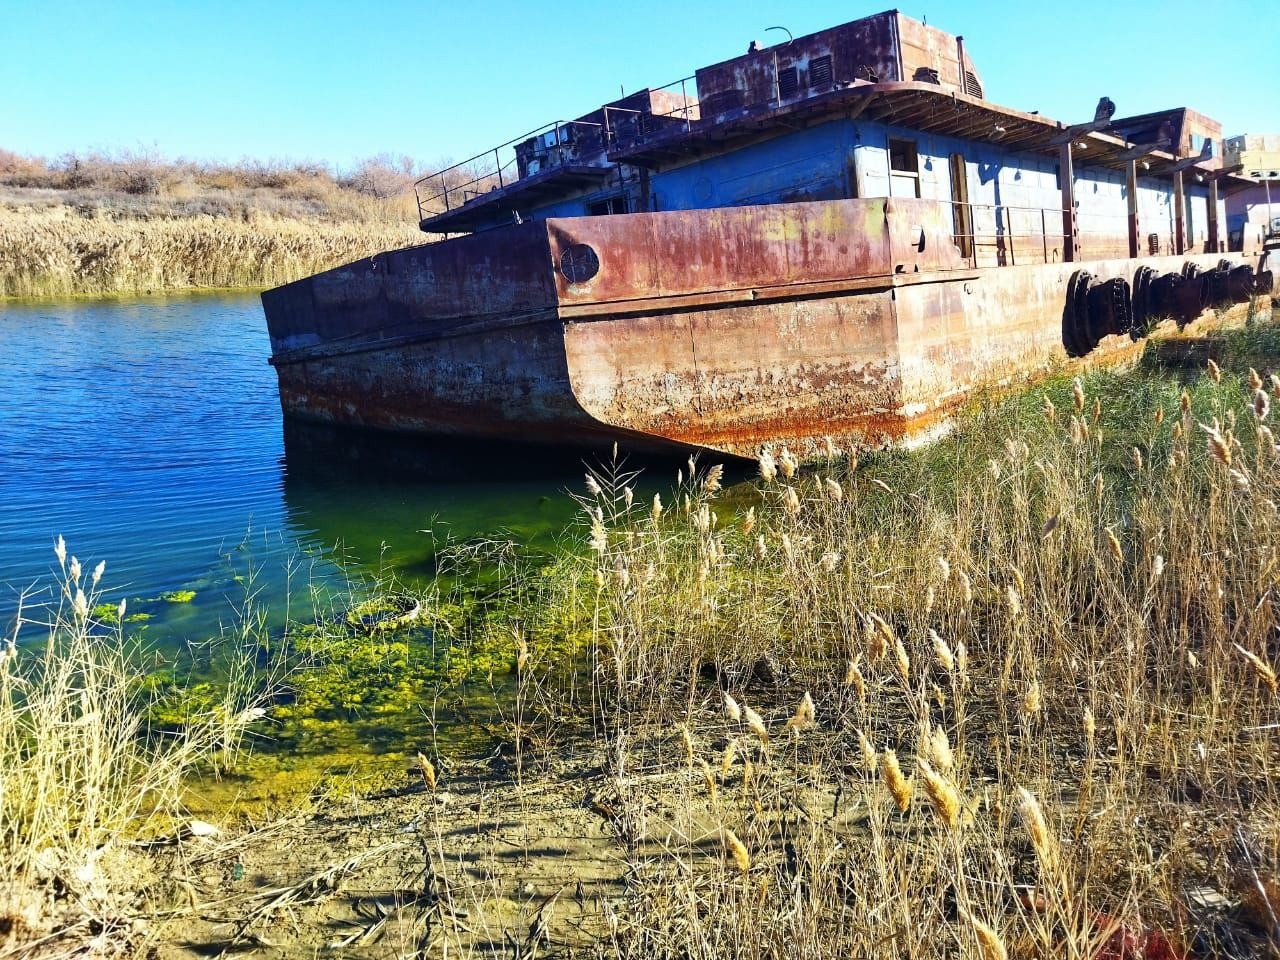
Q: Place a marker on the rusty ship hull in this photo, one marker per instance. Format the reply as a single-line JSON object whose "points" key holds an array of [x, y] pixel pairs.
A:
{"points": [[726, 329]]}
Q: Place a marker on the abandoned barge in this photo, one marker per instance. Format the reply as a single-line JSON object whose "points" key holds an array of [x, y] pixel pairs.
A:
{"points": [[835, 236]]}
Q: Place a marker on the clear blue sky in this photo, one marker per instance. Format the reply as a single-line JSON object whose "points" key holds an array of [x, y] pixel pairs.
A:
{"points": [[334, 82]]}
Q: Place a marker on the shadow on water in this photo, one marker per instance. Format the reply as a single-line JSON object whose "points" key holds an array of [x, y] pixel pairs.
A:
{"points": [[315, 451], [399, 498]]}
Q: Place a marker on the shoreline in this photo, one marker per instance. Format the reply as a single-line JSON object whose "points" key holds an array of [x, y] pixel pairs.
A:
{"points": [[141, 294]]}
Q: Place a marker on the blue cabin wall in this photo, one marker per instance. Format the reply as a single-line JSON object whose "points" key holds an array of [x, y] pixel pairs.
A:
{"points": [[816, 163], [813, 164], [1015, 198]]}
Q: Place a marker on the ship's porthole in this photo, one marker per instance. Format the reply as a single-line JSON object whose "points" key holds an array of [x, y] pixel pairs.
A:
{"points": [[579, 263]]}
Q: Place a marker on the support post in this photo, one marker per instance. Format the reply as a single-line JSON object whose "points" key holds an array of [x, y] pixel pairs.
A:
{"points": [[1214, 246], [1131, 187], [1066, 175], [1179, 212]]}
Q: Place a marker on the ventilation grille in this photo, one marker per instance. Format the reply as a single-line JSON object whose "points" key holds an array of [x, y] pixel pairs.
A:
{"points": [[820, 71], [971, 85], [788, 82]]}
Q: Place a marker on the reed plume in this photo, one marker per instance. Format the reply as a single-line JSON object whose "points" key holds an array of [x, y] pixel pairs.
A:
{"points": [[880, 636], [756, 724], [942, 651], [901, 660], [803, 717], [900, 788], [1113, 546], [736, 851], [941, 792], [711, 483], [1264, 671], [1042, 840], [727, 758], [768, 466], [940, 750], [428, 771], [1031, 699], [853, 678], [989, 942], [787, 463], [791, 500], [731, 708]]}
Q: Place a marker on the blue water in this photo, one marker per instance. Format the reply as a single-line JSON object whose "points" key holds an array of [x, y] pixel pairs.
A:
{"points": [[148, 433]]}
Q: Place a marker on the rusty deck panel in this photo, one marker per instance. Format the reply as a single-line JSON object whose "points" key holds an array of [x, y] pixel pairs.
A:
{"points": [[726, 329], [650, 256]]}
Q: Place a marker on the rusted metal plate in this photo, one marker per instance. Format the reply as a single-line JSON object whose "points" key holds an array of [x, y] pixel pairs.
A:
{"points": [[655, 255]]}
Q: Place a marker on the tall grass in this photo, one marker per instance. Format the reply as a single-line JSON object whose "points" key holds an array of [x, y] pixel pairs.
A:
{"points": [[55, 251], [1014, 695], [83, 777]]}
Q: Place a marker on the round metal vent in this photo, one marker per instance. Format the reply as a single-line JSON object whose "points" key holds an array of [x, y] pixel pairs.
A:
{"points": [[579, 263]]}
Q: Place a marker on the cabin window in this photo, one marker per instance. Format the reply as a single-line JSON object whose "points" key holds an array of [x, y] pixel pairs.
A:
{"points": [[903, 157], [788, 82], [820, 71], [607, 206], [904, 168]]}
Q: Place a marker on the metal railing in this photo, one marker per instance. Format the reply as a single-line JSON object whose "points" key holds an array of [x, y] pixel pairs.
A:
{"points": [[492, 170], [626, 125], [1002, 234]]}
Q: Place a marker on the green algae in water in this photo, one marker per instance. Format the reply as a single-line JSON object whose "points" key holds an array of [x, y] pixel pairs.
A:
{"points": [[107, 614], [178, 596]]}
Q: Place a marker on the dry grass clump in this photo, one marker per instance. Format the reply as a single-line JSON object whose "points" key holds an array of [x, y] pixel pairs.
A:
{"points": [[82, 778], [1062, 651], [56, 252]]}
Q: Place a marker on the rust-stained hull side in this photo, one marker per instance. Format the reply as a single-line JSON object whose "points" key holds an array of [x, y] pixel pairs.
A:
{"points": [[726, 329], [506, 384], [735, 377], [1005, 325]]}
